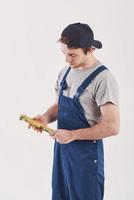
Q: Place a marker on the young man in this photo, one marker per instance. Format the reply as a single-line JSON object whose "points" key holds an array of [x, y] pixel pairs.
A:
{"points": [[86, 110]]}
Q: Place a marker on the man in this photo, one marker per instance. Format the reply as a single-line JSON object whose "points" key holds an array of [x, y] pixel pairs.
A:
{"points": [[86, 110]]}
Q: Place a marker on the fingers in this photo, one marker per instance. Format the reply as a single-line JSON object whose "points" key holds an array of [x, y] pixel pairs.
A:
{"points": [[39, 118], [52, 134], [39, 130]]}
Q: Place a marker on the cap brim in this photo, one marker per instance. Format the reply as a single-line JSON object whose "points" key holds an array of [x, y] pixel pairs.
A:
{"points": [[97, 44]]}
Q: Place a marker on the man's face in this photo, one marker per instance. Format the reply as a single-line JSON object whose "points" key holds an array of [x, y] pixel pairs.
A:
{"points": [[74, 57]]}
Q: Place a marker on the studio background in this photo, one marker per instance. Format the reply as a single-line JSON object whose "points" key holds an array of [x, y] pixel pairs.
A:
{"points": [[30, 61]]}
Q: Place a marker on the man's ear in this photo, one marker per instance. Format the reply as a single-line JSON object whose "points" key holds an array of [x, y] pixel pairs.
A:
{"points": [[90, 50]]}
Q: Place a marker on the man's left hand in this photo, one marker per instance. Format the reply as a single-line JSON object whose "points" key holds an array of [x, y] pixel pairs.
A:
{"points": [[63, 136]]}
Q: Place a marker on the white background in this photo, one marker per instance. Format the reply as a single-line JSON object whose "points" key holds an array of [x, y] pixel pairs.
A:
{"points": [[30, 60]]}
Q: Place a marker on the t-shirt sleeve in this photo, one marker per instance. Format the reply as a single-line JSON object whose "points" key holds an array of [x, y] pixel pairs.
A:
{"points": [[57, 88], [60, 77], [107, 90]]}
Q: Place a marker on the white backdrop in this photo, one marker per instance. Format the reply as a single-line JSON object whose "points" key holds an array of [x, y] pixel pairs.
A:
{"points": [[30, 60]]}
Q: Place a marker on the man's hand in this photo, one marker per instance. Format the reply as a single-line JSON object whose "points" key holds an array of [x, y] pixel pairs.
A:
{"points": [[39, 118], [63, 136]]}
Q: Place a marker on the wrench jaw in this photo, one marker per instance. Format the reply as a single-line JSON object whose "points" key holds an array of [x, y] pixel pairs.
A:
{"points": [[21, 117]]}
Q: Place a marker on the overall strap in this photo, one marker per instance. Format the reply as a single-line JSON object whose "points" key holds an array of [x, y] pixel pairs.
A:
{"points": [[88, 80], [63, 83]]}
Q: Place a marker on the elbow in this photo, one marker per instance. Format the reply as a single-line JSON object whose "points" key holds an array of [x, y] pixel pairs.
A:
{"points": [[114, 130]]}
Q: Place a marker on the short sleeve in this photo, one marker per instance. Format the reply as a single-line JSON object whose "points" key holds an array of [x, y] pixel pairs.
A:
{"points": [[107, 90], [57, 88], [59, 79]]}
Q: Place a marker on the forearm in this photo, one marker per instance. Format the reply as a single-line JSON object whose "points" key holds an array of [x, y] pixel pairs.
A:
{"points": [[51, 113], [96, 132]]}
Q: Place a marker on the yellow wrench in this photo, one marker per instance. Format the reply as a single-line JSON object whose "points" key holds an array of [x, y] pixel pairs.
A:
{"points": [[36, 124]]}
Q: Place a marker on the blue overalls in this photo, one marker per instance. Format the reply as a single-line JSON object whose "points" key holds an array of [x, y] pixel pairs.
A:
{"points": [[78, 167]]}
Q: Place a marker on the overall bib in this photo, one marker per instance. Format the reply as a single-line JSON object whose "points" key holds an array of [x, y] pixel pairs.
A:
{"points": [[78, 167]]}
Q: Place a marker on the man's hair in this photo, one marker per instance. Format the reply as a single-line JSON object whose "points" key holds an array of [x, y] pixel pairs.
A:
{"points": [[65, 40]]}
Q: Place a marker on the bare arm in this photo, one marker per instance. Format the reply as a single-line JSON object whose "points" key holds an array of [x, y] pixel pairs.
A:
{"points": [[108, 126], [51, 114]]}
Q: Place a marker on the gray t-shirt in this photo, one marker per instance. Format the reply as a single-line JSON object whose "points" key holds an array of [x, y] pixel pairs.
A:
{"points": [[101, 90]]}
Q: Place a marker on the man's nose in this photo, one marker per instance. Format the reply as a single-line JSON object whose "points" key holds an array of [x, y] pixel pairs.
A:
{"points": [[68, 59]]}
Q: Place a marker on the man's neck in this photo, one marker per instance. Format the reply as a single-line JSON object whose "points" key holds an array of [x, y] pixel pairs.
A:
{"points": [[90, 62]]}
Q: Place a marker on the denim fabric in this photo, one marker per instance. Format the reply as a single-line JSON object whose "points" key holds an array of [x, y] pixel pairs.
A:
{"points": [[78, 167]]}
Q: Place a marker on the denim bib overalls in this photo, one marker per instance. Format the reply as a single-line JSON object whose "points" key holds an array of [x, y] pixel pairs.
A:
{"points": [[78, 167]]}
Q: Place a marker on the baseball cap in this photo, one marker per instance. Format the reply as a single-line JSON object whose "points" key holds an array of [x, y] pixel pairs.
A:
{"points": [[80, 35]]}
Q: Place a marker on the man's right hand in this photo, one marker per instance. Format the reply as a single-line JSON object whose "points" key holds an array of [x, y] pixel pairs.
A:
{"points": [[40, 118]]}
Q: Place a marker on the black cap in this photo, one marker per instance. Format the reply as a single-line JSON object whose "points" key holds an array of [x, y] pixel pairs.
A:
{"points": [[80, 35]]}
